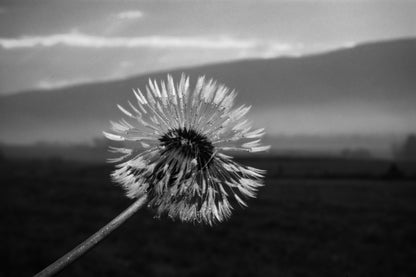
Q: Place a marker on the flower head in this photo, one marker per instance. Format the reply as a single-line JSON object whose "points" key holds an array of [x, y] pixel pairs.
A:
{"points": [[180, 164]]}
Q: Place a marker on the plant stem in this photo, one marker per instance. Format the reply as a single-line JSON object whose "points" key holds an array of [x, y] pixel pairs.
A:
{"points": [[89, 243]]}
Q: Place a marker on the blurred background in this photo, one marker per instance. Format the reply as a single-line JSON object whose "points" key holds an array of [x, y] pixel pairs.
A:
{"points": [[333, 83]]}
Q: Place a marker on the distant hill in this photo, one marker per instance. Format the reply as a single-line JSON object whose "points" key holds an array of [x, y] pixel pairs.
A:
{"points": [[368, 89]]}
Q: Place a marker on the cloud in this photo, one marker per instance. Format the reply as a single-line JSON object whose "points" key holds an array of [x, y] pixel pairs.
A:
{"points": [[57, 83], [75, 39], [247, 47], [237, 47], [133, 14]]}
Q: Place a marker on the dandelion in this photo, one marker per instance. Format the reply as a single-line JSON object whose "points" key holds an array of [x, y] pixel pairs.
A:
{"points": [[173, 158], [181, 165]]}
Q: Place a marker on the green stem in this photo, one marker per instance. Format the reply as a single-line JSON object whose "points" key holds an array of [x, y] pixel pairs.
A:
{"points": [[89, 243]]}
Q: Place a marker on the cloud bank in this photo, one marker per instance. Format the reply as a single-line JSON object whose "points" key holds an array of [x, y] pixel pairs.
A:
{"points": [[244, 47], [91, 41]]}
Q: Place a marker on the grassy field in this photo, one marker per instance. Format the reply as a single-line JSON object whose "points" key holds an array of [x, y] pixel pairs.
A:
{"points": [[300, 225]]}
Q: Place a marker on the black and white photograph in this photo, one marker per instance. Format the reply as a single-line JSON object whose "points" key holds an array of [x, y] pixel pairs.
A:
{"points": [[208, 138]]}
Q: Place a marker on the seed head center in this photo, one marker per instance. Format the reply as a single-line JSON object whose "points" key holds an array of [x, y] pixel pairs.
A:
{"points": [[188, 144]]}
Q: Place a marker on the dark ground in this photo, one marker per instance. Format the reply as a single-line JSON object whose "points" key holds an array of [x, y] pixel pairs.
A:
{"points": [[313, 218]]}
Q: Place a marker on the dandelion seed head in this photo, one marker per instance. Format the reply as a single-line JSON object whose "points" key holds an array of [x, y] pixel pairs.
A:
{"points": [[181, 165]]}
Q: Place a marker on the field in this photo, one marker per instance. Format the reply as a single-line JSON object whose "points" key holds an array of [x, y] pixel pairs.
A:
{"points": [[313, 218]]}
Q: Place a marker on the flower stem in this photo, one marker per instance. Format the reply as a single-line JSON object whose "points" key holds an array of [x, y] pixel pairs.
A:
{"points": [[89, 243]]}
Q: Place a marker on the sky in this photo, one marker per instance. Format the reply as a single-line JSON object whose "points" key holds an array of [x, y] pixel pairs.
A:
{"points": [[46, 44]]}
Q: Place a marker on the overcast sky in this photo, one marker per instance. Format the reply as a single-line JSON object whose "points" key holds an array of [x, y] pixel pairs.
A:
{"points": [[52, 43]]}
